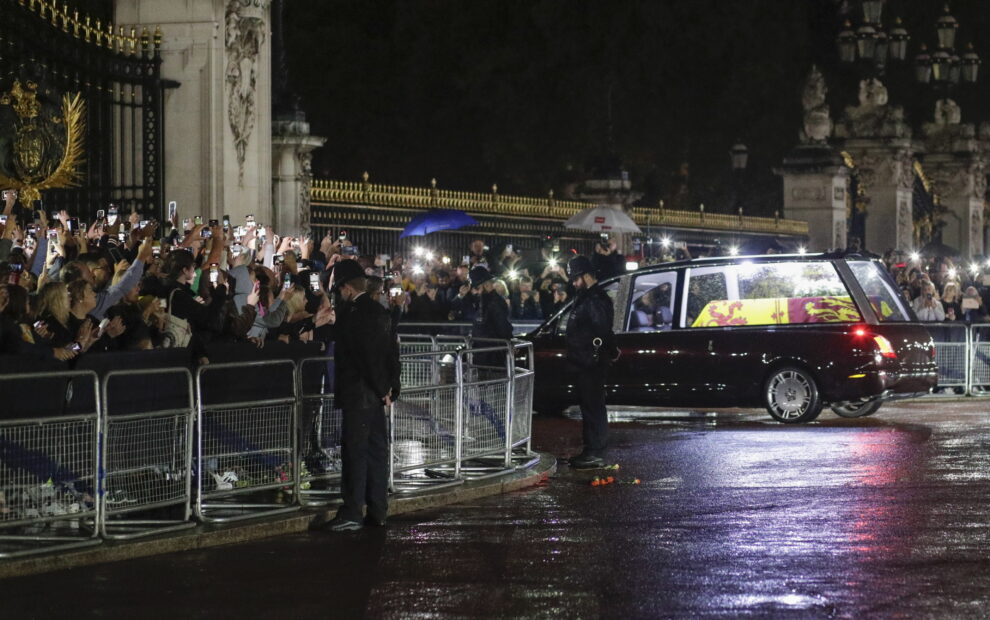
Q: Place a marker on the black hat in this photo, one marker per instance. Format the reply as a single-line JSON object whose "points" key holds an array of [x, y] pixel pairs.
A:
{"points": [[578, 266], [345, 271], [479, 275]]}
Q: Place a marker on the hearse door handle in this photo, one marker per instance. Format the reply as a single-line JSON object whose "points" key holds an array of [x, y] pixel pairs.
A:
{"points": [[710, 348]]}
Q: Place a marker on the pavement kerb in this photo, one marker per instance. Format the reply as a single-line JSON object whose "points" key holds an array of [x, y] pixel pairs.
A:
{"points": [[205, 536]]}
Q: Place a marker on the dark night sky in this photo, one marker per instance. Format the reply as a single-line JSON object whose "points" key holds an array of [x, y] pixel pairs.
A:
{"points": [[475, 92]]}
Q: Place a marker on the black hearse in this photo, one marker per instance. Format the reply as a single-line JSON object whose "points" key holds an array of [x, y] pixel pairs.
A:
{"points": [[792, 333]]}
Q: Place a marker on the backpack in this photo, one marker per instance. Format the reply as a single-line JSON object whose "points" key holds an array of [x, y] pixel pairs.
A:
{"points": [[178, 333]]}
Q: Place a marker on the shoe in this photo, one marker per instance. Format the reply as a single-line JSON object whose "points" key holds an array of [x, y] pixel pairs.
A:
{"points": [[339, 524], [225, 481], [374, 521], [587, 461]]}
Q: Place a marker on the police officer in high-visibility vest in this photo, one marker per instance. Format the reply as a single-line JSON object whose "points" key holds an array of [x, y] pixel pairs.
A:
{"points": [[591, 349]]}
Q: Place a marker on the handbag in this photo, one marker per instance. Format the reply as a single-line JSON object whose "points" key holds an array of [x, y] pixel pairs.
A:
{"points": [[178, 333]]}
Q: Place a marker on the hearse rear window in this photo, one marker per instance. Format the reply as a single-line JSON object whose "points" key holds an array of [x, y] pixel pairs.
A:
{"points": [[886, 303], [767, 294]]}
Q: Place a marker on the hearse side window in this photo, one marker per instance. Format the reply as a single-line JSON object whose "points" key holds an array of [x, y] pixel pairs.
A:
{"points": [[612, 289], [885, 301], [652, 308], [705, 286], [776, 294]]}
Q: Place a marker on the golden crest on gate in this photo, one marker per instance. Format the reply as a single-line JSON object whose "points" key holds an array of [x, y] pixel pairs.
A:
{"points": [[41, 146]]}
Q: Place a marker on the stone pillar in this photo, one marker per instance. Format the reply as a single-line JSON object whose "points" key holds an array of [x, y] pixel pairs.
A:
{"points": [[961, 184], [886, 172], [815, 185], [292, 147], [958, 173], [217, 122]]}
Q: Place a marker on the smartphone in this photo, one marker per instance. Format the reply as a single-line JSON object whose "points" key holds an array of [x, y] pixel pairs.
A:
{"points": [[112, 215], [121, 237], [206, 233], [198, 220], [100, 214], [75, 347], [142, 223], [226, 222], [314, 281], [214, 223], [395, 291], [236, 249], [465, 260], [103, 325], [279, 259], [350, 250], [287, 281], [32, 230], [3, 220], [115, 254], [186, 224], [53, 233], [214, 274], [249, 222], [342, 236], [156, 249], [172, 208], [508, 246]]}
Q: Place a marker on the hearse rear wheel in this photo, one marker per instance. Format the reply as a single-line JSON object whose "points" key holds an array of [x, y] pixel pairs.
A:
{"points": [[857, 410], [791, 396]]}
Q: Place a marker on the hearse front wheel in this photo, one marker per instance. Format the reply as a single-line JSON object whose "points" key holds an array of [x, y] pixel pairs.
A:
{"points": [[857, 410], [791, 396]]}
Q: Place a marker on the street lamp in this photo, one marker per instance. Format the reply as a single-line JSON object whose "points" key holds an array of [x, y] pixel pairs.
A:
{"points": [[740, 156], [869, 42]]}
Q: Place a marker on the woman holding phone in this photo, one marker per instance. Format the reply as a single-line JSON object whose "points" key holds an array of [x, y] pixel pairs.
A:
{"points": [[205, 320]]}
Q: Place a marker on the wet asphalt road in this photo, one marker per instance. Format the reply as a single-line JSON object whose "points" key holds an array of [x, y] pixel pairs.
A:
{"points": [[736, 516]]}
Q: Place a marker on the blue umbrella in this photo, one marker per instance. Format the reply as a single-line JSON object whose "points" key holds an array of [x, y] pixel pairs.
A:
{"points": [[435, 220]]}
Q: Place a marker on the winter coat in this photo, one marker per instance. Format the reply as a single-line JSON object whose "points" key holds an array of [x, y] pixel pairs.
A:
{"points": [[591, 317]]}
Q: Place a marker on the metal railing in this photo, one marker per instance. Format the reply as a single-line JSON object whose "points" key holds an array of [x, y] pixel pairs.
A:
{"points": [[49, 464], [962, 353], [148, 451]]}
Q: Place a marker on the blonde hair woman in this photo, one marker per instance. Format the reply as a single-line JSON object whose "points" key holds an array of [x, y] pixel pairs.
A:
{"points": [[927, 306], [53, 311], [503, 291]]}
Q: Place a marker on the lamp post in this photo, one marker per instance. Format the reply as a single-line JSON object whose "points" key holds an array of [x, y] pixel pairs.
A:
{"points": [[739, 156], [869, 42], [943, 69]]}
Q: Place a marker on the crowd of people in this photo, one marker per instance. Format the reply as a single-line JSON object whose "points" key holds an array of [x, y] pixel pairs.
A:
{"points": [[122, 283], [942, 288]]}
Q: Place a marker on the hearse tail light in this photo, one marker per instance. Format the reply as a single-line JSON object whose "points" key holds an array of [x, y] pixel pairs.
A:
{"points": [[859, 331], [885, 347]]}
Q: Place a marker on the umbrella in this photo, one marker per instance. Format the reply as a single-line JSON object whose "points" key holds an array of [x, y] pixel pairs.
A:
{"points": [[435, 220], [602, 220]]}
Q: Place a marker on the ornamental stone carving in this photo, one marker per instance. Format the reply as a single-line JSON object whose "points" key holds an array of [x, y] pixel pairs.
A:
{"points": [[905, 224], [947, 112], [873, 118], [246, 32], [872, 92], [817, 119], [305, 159]]}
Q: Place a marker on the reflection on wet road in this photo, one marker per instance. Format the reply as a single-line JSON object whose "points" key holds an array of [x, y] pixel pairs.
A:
{"points": [[735, 516]]}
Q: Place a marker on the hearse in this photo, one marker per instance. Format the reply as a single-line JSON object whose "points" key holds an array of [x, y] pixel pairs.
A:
{"points": [[792, 333]]}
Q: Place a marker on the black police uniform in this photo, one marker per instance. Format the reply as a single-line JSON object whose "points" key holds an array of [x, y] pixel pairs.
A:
{"points": [[591, 348], [367, 369]]}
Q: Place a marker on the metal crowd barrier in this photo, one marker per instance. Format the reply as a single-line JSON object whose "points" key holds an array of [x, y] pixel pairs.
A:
{"points": [[962, 353], [49, 463], [246, 427], [319, 433], [144, 451], [147, 451]]}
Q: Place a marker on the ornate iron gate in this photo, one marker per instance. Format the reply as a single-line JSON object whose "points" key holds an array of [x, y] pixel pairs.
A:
{"points": [[50, 53]]}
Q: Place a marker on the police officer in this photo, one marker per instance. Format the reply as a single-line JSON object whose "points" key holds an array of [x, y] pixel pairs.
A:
{"points": [[367, 380], [492, 320], [591, 349]]}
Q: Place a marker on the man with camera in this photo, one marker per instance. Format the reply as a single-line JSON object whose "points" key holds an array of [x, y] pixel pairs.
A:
{"points": [[367, 381], [591, 348]]}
